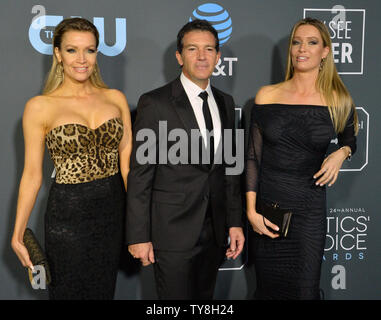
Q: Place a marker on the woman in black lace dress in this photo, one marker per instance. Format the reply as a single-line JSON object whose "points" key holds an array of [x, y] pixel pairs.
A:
{"points": [[87, 130], [292, 124]]}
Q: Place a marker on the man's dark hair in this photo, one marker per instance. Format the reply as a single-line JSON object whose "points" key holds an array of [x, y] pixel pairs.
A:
{"points": [[196, 25]]}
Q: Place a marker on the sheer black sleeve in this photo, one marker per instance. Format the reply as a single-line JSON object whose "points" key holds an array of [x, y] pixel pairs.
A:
{"points": [[253, 154], [347, 137]]}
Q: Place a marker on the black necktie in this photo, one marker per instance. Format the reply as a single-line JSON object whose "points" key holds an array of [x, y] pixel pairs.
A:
{"points": [[208, 122]]}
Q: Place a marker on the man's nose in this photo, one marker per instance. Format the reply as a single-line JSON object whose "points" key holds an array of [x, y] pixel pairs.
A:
{"points": [[201, 54]]}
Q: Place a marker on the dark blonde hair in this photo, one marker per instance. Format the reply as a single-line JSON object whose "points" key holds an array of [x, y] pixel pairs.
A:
{"points": [[55, 75], [329, 83]]}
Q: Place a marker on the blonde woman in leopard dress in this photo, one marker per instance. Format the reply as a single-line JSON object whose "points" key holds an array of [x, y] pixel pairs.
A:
{"points": [[87, 130]]}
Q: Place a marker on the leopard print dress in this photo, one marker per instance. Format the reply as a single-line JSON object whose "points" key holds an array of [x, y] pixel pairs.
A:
{"points": [[85, 210]]}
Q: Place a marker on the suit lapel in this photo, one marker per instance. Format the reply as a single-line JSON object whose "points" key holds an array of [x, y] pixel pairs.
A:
{"points": [[221, 106], [183, 106], [223, 117], [186, 114]]}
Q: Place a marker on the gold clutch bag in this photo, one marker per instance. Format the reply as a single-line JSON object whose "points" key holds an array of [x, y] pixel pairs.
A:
{"points": [[36, 254]]}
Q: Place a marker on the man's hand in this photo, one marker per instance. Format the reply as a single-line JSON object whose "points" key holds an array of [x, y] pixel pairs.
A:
{"points": [[143, 251], [237, 239]]}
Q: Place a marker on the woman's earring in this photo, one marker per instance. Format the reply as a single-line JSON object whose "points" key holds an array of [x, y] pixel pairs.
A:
{"points": [[321, 64], [59, 70]]}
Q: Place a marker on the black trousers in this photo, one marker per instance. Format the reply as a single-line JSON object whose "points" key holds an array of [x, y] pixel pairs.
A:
{"points": [[189, 274]]}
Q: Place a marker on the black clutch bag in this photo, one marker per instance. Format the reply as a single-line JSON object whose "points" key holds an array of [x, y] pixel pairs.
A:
{"points": [[36, 254], [280, 217]]}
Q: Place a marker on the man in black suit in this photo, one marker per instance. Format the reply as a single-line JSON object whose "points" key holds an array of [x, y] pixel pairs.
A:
{"points": [[180, 213]]}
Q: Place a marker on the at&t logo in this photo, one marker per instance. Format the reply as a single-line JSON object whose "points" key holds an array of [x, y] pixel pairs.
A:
{"points": [[220, 19], [40, 28]]}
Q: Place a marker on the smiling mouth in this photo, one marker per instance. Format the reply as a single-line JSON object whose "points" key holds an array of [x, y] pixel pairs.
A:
{"points": [[301, 59], [81, 69]]}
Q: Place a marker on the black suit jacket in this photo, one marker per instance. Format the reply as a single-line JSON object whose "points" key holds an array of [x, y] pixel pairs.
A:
{"points": [[166, 203]]}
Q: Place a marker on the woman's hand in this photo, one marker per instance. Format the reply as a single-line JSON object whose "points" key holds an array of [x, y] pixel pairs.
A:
{"points": [[330, 167], [22, 253], [256, 221]]}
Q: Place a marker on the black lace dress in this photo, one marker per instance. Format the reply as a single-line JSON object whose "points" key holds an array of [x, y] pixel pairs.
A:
{"points": [[287, 145], [84, 216]]}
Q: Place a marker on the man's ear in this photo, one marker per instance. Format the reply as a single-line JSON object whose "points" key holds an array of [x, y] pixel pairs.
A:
{"points": [[218, 56], [179, 58]]}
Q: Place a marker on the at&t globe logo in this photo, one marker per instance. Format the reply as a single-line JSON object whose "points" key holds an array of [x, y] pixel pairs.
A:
{"points": [[218, 17]]}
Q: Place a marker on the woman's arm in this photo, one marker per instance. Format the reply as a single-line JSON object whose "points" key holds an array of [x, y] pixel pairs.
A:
{"points": [[125, 146], [331, 165], [30, 183], [253, 164]]}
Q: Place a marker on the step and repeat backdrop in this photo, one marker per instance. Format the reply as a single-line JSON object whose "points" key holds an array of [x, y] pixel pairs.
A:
{"points": [[137, 53]]}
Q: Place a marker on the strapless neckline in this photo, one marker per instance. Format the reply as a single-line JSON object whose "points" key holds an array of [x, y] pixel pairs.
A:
{"points": [[82, 125], [291, 105]]}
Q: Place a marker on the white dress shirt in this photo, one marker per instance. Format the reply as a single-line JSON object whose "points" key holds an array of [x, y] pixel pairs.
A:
{"points": [[193, 90]]}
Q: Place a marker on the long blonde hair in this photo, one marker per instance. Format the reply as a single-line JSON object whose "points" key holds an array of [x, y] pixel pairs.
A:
{"points": [[55, 76], [329, 83]]}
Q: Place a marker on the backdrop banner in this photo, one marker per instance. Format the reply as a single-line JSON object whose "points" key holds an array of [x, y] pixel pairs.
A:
{"points": [[137, 54]]}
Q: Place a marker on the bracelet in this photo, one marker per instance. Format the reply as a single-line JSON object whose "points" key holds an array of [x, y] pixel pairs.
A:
{"points": [[349, 153]]}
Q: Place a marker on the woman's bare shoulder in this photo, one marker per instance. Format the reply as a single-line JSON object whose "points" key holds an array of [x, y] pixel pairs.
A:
{"points": [[117, 97], [38, 104], [114, 94], [37, 110], [268, 94]]}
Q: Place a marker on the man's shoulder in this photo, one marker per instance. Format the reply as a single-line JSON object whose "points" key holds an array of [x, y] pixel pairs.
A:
{"points": [[158, 98], [221, 93], [163, 91]]}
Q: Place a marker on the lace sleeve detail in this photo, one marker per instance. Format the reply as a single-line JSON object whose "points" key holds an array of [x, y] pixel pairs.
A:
{"points": [[347, 137], [254, 153]]}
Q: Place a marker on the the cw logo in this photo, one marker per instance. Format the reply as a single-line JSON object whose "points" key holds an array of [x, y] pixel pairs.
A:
{"points": [[40, 22]]}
